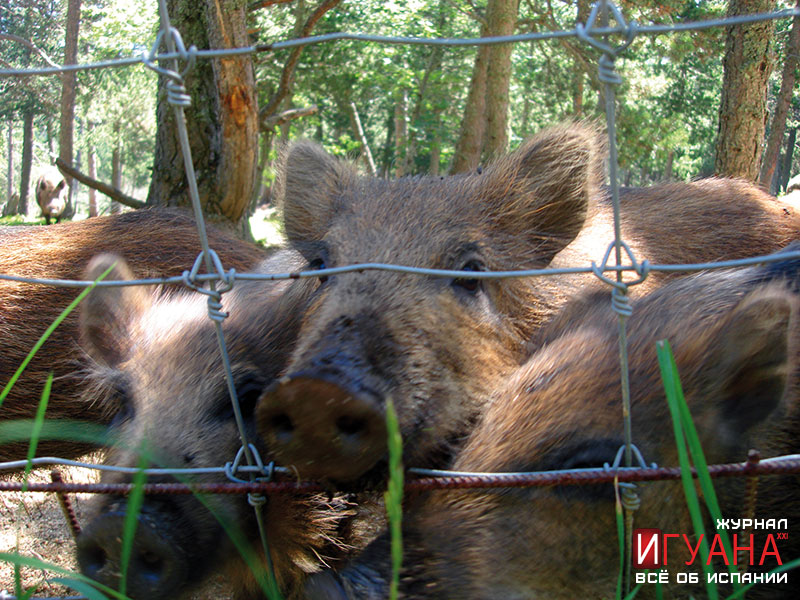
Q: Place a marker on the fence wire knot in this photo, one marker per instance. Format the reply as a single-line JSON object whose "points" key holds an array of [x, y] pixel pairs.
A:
{"points": [[628, 491], [215, 311], [176, 90], [267, 471], [642, 269]]}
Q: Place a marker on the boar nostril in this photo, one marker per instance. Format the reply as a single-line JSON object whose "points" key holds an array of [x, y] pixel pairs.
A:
{"points": [[351, 426], [151, 564], [282, 426], [95, 559]]}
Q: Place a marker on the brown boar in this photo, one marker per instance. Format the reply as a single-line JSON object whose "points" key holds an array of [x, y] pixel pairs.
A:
{"points": [[735, 340], [51, 196], [154, 242], [159, 360], [438, 345]]}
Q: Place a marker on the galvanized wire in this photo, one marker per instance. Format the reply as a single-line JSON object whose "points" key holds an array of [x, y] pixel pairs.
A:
{"points": [[588, 33]]}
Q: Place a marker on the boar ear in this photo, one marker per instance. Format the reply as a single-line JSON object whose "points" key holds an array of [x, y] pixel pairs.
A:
{"points": [[107, 312], [540, 193], [749, 361], [308, 185]]}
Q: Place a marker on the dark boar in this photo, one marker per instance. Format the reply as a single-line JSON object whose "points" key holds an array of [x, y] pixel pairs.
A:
{"points": [[437, 346], [154, 242], [51, 196], [159, 361], [735, 340]]}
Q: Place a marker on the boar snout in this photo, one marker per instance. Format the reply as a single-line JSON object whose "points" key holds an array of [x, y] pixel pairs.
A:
{"points": [[323, 428], [158, 566]]}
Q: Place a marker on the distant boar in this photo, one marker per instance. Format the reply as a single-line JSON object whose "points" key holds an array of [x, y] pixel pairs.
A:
{"points": [[158, 365], [735, 339], [438, 346], [154, 242], [51, 196]]}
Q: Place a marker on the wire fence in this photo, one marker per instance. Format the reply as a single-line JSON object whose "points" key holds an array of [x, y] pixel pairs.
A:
{"points": [[177, 60]]}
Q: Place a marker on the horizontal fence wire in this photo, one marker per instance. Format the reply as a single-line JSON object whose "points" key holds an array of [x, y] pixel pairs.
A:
{"points": [[398, 40], [781, 465], [425, 479]]}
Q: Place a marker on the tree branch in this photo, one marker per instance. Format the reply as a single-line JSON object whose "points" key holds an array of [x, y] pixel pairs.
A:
{"points": [[288, 69], [31, 45], [101, 187], [265, 3], [273, 121]]}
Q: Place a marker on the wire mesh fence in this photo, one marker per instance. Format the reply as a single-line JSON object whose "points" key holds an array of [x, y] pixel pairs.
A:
{"points": [[247, 473]]}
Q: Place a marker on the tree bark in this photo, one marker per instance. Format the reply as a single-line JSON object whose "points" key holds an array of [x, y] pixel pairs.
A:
{"points": [[27, 161], [782, 102], [742, 114], [400, 131], [91, 168], [66, 134], [362, 139], [473, 126], [116, 168], [786, 168], [222, 121], [10, 158], [501, 17]]}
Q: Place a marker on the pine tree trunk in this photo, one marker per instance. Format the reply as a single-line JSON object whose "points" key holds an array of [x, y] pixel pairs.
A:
{"points": [[116, 168], [742, 114], [10, 159], [91, 168], [501, 16], [222, 120], [786, 169], [27, 162], [400, 131], [65, 135], [778, 127], [473, 126]]}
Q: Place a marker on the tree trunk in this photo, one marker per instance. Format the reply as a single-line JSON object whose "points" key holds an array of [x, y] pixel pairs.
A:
{"points": [[65, 134], [742, 114], [668, 166], [27, 161], [10, 147], [222, 120], [578, 66], [116, 168], [400, 131], [501, 16], [473, 126], [362, 139], [91, 169], [781, 107], [786, 168]]}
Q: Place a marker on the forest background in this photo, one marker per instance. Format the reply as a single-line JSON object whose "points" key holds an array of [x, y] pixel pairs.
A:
{"points": [[397, 109]]}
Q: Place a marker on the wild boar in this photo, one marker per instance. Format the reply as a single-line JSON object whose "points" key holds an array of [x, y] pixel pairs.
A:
{"points": [[438, 346], [154, 242], [157, 361], [735, 340], [51, 196]]}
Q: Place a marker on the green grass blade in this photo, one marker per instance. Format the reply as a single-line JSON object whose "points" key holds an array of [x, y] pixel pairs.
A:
{"points": [[394, 496], [86, 589], [35, 563], [135, 501], [22, 430], [36, 430], [59, 319], [672, 388]]}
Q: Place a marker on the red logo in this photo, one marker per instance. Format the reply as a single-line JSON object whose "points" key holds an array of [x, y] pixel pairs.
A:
{"points": [[647, 549]]}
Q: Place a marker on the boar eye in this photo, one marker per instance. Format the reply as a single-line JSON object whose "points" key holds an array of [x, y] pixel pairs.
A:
{"points": [[316, 265], [473, 285], [120, 402]]}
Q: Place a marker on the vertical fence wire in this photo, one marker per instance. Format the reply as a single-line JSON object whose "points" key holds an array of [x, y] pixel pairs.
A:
{"points": [[179, 99]]}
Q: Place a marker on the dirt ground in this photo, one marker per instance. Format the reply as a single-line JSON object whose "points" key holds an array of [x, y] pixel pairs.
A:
{"points": [[34, 523]]}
